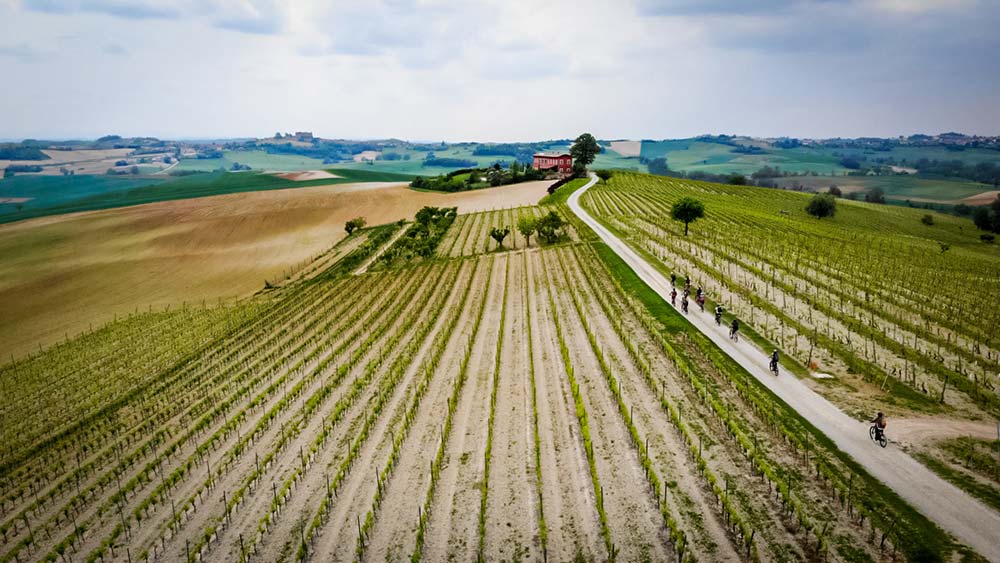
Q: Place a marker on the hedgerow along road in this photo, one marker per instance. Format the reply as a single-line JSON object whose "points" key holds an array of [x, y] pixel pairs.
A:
{"points": [[970, 521]]}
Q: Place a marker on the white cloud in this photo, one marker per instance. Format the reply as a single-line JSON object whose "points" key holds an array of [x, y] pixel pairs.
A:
{"points": [[493, 69]]}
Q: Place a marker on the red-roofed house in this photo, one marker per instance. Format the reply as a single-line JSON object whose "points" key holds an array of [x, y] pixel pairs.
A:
{"points": [[560, 162]]}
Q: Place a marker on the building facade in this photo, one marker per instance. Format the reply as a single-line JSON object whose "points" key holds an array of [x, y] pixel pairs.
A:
{"points": [[560, 162]]}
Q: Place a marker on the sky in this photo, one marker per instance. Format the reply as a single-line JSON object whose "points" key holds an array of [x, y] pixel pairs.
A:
{"points": [[498, 70]]}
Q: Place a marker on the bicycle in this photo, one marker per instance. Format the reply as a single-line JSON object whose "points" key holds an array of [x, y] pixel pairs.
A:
{"points": [[774, 368], [876, 436]]}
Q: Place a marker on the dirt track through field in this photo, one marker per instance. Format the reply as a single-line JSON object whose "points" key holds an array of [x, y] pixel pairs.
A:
{"points": [[955, 511]]}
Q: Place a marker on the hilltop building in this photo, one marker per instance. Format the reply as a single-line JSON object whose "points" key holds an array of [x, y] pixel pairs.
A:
{"points": [[560, 162]]}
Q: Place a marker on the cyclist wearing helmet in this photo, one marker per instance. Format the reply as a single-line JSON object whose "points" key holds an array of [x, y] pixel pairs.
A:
{"points": [[879, 422]]}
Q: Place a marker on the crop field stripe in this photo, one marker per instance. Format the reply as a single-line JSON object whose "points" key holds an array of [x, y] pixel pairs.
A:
{"points": [[141, 448], [290, 428], [232, 424], [263, 426], [400, 367], [337, 413], [117, 455], [581, 415], [424, 513], [677, 536], [542, 528], [487, 459], [185, 365]]}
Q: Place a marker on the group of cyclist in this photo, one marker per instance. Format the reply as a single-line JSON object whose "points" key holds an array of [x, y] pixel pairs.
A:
{"points": [[879, 422]]}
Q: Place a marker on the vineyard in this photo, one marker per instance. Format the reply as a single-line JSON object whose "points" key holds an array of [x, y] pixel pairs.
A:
{"points": [[532, 404], [873, 292]]}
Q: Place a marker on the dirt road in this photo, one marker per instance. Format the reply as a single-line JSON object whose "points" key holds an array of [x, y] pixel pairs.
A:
{"points": [[971, 522]]}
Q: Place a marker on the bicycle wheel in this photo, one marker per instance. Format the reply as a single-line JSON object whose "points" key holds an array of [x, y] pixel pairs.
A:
{"points": [[871, 433], [882, 441]]}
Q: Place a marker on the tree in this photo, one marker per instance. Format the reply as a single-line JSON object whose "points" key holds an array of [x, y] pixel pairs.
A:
{"points": [[604, 175], [987, 217], [834, 191], [927, 219], [548, 227], [822, 205], [527, 225], [354, 224], [585, 149], [495, 176], [686, 210], [499, 234], [579, 169], [875, 195], [737, 180]]}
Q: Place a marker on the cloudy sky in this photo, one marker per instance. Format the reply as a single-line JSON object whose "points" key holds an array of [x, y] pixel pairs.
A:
{"points": [[498, 69]]}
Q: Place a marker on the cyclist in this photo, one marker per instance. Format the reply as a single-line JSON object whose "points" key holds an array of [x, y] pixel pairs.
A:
{"points": [[718, 315], [701, 302], [734, 330], [673, 280], [673, 297], [879, 422], [684, 304], [774, 361]]}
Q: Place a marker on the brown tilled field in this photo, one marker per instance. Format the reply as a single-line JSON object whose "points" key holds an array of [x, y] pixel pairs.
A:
{"points": [[66, 273]]}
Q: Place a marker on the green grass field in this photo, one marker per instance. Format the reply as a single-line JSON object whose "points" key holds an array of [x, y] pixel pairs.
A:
{"points": [[898, 188], [257, 160]]}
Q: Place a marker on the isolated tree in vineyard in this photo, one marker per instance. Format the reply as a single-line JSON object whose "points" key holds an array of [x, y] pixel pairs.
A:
{"points": [[822, 205], [354, 224], [527, 225], [834, 191], [686, 210], [584, 149], [549, 226], [604, 175], [499, 234]]}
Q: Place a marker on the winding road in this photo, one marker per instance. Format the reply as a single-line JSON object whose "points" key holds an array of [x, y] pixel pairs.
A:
{"points": [[968, 520]]}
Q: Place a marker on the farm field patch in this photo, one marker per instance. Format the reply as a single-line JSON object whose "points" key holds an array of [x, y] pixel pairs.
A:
{"points": [[64, 273], [900, 188]]}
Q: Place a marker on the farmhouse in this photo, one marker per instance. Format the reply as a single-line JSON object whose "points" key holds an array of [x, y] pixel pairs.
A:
{"points": [[560, 162]]}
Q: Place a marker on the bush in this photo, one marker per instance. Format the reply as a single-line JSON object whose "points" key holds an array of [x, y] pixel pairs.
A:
{"points": [[822, 205], [604, 175], [875, 195], [988, 238], [354, 224], [927, 219], [834, 191], [850, 163]]}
